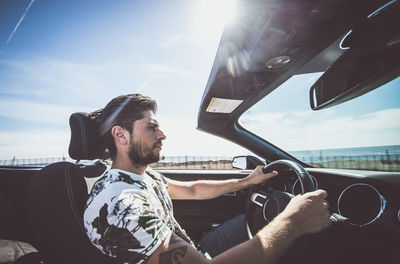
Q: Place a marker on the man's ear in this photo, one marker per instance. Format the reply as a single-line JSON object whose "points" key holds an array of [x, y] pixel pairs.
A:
{"points": [[120, 135]]}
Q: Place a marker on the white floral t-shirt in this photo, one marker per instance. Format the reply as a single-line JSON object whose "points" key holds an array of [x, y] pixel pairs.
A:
{"points": [[128, 216]]}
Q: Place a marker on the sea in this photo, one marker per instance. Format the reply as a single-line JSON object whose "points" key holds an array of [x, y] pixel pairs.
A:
{"points": [[367, 153], [362, 153]]}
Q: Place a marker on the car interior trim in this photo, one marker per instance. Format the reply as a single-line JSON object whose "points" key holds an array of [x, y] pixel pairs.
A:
{"points": [[265, 210], [381, 199], [254, 197], [297, 181]]}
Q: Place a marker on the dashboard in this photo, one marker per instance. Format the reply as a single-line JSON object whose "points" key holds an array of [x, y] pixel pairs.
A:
{"points": [[365, 208], [362, 197]]}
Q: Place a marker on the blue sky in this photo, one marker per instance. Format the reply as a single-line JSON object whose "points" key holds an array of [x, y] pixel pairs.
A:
{"points": [[59, 57], [286, 119], [71, 56]]}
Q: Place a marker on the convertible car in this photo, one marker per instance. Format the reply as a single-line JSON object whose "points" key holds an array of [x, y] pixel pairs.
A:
{"points": [[310, 88]]}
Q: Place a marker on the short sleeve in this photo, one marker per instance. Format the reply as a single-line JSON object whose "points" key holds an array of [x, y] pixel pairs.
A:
{"points": [[164, 180], [158, 176], [129, 227]]}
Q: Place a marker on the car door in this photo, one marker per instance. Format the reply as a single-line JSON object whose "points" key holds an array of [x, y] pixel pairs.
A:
{"points": [[199, 216]]}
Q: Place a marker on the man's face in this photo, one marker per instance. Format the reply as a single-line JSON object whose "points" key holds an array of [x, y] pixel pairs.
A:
{"points": [[146, 140]]}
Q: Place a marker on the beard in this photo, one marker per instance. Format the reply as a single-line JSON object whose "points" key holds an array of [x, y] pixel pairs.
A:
{"points": [[143, 155]]}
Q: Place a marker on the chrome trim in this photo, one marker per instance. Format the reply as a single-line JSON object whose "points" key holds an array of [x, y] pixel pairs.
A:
{"points": [[269, 200], [382, 200], [341, 42], [398, 215], [254, 197], [294, 184]]}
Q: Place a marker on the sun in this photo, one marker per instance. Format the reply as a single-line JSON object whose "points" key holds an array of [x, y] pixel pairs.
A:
{"points": [[212, 15]]}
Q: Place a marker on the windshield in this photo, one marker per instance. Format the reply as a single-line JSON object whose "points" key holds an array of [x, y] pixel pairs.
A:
{"points": [[363, 133]]}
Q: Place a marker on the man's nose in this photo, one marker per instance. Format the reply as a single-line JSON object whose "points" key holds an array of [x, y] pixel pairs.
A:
{"points": [[161, 135]]}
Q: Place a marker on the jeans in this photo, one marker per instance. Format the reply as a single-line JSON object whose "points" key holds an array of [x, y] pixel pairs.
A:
{"points": [[225, 236]]}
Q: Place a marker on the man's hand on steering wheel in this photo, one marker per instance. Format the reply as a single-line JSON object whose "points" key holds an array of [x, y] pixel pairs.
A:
{"points": [[308, 212], [257, 176]]}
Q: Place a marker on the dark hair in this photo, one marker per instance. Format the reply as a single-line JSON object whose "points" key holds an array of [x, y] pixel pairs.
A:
{"points": [[121, 111]]}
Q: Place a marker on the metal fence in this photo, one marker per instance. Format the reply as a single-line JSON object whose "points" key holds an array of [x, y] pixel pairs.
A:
{"points": [[194, 163], [34, 162], [388, 162]]}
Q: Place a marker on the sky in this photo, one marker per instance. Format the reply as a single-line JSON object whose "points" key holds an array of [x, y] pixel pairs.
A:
{"points": [[369, 120], [61, 57]]}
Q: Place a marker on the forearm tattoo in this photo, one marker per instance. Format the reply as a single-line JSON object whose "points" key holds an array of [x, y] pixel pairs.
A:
{"points": [[175, 239], [174, 256]]}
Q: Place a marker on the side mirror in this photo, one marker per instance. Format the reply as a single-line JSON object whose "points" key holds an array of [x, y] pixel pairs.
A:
{"points": [[246, 162]]}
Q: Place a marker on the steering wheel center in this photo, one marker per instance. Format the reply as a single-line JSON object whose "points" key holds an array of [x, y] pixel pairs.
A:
{"points": [[271, 209], [275, 203]]}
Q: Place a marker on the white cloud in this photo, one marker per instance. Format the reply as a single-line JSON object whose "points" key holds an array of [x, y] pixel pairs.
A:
{"points": [[183, 139], [262, 118], [72, 81], [17, 90], [302, 113], [32, 111], [146, 84], [327, 131], [159, 68], [172, 40], [53, 76], [34, 144]]}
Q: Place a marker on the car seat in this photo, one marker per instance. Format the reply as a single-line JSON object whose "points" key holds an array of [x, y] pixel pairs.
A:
{"points": [[57, 198]]}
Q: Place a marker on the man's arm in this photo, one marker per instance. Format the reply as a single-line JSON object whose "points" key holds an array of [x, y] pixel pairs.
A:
{"points": [[304, 214], [202, 189]]}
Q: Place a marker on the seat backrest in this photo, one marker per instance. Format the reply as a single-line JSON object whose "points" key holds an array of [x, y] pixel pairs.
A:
{"points": [[57, 198]]}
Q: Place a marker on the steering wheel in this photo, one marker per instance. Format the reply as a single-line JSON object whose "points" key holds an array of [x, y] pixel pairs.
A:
{"points": [[263, 205]]}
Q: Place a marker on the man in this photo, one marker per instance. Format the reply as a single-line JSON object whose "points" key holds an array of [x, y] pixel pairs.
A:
{"points": [[129, 212]]}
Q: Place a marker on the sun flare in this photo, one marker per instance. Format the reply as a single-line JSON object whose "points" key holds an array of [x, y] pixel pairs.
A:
{"points": [[213, 15]]}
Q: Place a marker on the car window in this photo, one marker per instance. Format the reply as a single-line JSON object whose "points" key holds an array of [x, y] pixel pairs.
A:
{"points": [[363, 133]]}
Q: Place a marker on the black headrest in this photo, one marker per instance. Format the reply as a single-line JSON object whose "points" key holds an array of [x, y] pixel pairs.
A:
{"points": [[85, 143]]}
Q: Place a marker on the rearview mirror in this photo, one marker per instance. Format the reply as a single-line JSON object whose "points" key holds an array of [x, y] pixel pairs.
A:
{"points": [[371, 60]]}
